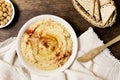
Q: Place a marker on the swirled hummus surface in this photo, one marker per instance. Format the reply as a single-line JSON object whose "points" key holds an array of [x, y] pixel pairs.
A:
{"points": [[46, 45]]}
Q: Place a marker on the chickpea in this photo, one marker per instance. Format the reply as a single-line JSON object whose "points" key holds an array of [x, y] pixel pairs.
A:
{"points": [[8, 17], [10, 9], [2, 23], [1, 18], [1, 13], [9, 13], [4, 10], [3, 5], [8, 4], [5, 14], [2, 1], [5, 21]]}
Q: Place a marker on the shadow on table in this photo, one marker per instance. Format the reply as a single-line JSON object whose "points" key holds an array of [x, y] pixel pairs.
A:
{"points": [[117, 3]]}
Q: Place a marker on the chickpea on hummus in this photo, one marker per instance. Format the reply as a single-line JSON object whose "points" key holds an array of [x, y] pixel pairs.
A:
{"points": [[46, 45]]}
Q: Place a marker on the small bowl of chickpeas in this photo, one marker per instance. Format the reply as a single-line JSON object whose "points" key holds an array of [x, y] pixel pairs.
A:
{"points": [[6, 13]]}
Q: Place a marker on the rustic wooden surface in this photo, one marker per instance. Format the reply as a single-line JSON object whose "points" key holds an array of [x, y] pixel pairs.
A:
{"points": [[26, 9]]}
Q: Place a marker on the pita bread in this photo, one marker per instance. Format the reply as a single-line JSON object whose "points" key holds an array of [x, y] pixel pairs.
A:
{"points": [[103, 2], [111, 18], [88, 5], [106, 11], [97, 10]]}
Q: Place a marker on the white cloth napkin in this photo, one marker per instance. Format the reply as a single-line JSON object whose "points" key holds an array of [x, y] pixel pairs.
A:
{"points": [[103, 67]]}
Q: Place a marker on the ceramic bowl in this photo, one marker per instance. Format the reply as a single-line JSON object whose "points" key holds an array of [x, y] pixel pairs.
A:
{"points": [[73, 37], [13, 14]]}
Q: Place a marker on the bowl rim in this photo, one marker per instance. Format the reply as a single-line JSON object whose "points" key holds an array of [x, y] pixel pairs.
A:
{"points": [[73, 37], [12, 17]]}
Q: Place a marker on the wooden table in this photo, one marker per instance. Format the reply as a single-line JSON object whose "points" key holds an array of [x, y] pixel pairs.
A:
{"points": [[26, 9]]}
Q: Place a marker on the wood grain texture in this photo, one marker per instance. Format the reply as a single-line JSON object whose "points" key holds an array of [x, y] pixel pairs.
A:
{"points": [[26, 9]]}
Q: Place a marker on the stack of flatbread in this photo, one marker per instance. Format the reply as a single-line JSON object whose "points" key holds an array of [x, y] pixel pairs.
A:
{"points": [[100, 13]]}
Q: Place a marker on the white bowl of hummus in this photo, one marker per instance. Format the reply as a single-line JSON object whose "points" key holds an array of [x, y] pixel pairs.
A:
{"points": [[46, 44]]}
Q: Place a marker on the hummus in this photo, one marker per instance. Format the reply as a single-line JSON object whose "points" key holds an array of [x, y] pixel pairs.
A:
{"points": [[46, 45]]}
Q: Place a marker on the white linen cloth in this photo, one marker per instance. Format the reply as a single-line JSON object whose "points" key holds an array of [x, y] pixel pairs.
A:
{"points": [[103, 67]]}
